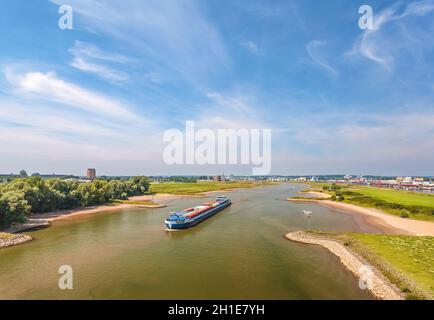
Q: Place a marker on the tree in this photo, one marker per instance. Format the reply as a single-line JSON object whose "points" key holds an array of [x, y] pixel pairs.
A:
{"points": [[13, 208], [66, 188], [50, 195], [92, 193], [23, 173], [38, 194], [118, 189], [138, 186]]}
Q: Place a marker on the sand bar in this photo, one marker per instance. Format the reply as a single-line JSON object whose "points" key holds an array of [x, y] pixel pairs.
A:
{"points": [[387, 222], [380, 287]]}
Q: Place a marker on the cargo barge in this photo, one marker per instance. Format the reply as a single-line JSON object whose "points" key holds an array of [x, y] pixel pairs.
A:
{"points": [[192, 216]]}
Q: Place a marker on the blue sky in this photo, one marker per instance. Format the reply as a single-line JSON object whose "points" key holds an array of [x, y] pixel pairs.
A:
{"points": [[338, 99]]}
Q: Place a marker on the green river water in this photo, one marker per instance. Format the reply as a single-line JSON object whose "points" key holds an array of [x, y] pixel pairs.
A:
{"points": [[240, 253]]}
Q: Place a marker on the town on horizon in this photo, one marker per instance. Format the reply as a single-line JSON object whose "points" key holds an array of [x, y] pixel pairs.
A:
{"points": [[425, 183]]}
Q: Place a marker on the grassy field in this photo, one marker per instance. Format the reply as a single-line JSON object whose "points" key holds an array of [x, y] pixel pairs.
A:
{"points": [[195, 188], [407, 261], [397, 202], [398, 196]]}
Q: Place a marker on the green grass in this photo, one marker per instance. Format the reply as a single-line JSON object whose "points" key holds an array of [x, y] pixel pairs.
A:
{"points": [[398, 196], [410, 256], [4, 235], [405, 204], [199, 187]]}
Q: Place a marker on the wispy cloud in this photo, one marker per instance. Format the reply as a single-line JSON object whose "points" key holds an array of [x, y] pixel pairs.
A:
{"points": [[87, 58], [172, 34], [251, 46], [312, 50], [365, 141], [379, 46], [49, 87]]}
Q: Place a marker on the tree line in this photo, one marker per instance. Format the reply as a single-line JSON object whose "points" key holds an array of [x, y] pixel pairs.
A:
{"points": [[22, 196]]}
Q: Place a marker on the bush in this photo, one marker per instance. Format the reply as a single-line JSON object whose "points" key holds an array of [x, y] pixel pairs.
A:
{"points": [[335, 187], [13, 208], [23, 195], [351, 193], [333, 198], [404, 214], [338, 193], [326, 188], [340, 198]]}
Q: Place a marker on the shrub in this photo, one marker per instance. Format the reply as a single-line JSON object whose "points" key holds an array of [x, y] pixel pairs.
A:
{"points": [[404, 214], [13, 208], [333, 198], [335, 187]]}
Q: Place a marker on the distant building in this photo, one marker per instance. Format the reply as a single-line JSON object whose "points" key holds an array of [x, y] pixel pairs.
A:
{"points": [[407, 180], [91, 174], [217, 178]]}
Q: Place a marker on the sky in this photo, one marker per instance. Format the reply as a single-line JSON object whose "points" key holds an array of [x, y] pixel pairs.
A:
{"points": [[338, 99]]}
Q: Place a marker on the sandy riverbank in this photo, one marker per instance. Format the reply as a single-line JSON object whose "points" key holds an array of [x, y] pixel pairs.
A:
{"points": [[43, 220], [316, 195], [389, 223], [381, 287], [163, 197]]}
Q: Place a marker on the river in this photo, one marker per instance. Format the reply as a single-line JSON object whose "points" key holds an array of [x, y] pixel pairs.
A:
{"points": [[240, 253]]}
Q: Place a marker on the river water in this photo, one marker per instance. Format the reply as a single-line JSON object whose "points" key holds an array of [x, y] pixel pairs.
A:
{"points": [[240, 253]]}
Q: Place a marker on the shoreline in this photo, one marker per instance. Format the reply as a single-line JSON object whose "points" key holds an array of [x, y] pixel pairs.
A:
{"points": [[389, 223], [9, 240], [44, 220], [381, 288]]}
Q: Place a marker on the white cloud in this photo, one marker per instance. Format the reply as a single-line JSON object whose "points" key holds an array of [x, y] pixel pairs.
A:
{"points": [[251, 46], [381, 47], [52, 121], [174, 35], [82, 49], [312, 50], [98, 69], [86, 58], [369, 142], [49, 87]]}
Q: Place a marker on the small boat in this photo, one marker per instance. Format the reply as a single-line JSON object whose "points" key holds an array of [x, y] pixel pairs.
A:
{"points": [[192, 216]]}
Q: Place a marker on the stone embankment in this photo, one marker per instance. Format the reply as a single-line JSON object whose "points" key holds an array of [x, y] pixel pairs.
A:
{"points": [[379, 286], [9, 240]]}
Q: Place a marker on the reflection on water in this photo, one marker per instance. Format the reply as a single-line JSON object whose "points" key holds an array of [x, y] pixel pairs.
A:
{"points": [[239, 253]]}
